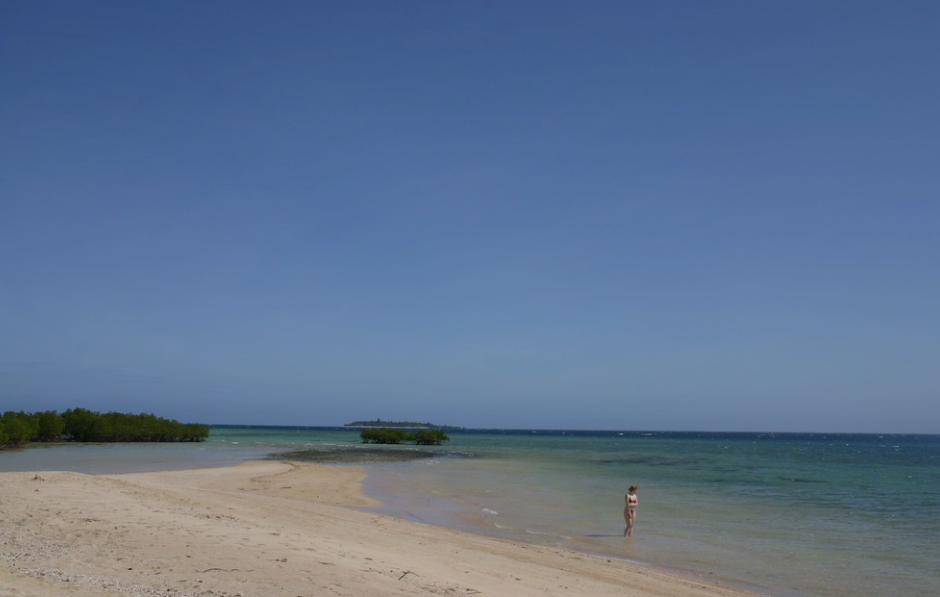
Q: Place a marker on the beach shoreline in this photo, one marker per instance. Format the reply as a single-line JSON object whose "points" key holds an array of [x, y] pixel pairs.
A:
{"points": [[272, 528]]}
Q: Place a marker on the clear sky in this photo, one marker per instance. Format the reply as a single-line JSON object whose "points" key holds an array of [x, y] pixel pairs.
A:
{"points": [[691, 215]]}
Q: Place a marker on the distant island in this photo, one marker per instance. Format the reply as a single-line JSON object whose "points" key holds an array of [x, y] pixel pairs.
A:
{"points": [[380, 424]]}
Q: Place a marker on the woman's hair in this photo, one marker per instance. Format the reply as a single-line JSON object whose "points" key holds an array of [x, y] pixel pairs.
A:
{"points": [[634, 488]]}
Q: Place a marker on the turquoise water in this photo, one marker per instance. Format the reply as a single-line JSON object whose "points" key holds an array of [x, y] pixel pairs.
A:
{"points": [[800, 515], [793, 515]]}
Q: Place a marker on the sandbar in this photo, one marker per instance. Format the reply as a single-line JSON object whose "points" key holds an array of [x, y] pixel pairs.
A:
{"points": [[273, 529]]}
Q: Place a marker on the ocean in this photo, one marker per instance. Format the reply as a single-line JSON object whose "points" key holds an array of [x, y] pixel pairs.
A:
{"points": [[789, 515]]}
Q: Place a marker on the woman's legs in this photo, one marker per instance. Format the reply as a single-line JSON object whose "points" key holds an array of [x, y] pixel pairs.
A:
{"points": [[630, 515]]}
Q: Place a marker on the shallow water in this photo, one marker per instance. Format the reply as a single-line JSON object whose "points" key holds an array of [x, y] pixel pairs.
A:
{"points": [[127, 458], [853, 516], [801, 515]]}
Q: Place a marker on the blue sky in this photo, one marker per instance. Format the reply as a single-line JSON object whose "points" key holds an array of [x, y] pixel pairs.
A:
{"points": [[616, 215]]}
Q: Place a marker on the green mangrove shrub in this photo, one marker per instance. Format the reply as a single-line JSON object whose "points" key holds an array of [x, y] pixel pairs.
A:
{"points": [[428, 437], [421, 437], [83, 425], [383, 436]]}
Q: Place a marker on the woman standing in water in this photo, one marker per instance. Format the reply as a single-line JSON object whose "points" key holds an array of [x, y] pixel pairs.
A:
{"points": [[629, 511]]}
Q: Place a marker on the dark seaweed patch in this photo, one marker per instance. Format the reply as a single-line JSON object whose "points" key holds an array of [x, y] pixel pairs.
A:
{"points": [[651, 460], [353, 455]]}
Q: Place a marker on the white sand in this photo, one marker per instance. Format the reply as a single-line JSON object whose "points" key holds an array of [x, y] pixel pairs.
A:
{"points": [[271, 529]]}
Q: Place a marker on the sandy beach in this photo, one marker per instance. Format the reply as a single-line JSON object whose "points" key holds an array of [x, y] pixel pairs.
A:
{"points": [[271, 529]]}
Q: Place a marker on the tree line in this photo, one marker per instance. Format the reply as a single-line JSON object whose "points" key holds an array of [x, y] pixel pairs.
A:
{"points": [[82, 425], [422, 437]]}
